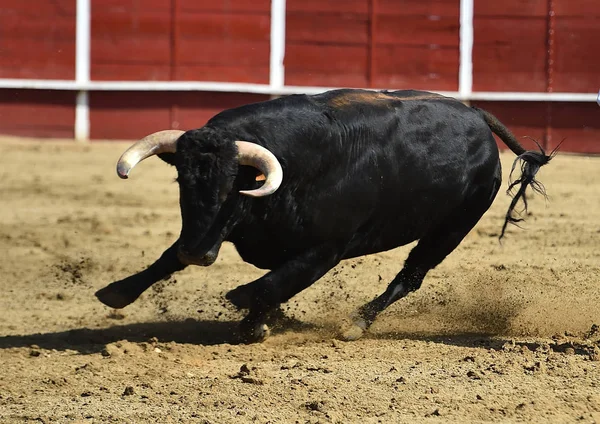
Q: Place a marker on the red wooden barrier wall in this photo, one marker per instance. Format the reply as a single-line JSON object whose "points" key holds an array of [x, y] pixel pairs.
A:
{"points": [[368, 43]]}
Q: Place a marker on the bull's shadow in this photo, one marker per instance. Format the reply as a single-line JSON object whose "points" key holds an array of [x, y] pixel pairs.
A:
{"points": [[85, 340], [189, 331]]}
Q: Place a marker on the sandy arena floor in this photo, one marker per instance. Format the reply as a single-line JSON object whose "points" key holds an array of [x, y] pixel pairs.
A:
{"points": [[497, 333]]}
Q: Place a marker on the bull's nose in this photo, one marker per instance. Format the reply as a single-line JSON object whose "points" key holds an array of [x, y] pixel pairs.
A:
{"points": [[183, 255], [187, 259]]}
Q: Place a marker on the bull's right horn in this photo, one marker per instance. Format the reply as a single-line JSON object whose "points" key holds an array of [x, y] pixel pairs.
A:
{"points": [[153, 144]]}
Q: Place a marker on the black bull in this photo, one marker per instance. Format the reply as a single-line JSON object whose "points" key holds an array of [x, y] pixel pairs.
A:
{"points": [[363, 172]]}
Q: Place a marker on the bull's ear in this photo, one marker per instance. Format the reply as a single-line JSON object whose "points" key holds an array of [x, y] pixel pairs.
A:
{"points": [[168, 158]]}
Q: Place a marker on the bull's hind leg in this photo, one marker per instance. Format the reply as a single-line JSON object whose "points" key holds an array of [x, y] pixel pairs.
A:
{"points": [[426, 255]]}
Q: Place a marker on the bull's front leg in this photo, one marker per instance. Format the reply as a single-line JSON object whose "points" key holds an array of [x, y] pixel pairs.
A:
{"points": [[263, 296], [123, 292]]}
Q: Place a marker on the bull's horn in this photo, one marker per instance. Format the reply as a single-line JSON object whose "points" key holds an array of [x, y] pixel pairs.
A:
{"points": [[258, 157], [153, 144]]}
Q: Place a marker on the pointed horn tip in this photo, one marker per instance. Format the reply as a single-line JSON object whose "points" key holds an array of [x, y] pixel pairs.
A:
{"points": [[122, 171], [249, 193]]}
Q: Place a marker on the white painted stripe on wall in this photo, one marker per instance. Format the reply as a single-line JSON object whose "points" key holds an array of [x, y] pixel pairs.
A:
{"points": [[465, 70]]}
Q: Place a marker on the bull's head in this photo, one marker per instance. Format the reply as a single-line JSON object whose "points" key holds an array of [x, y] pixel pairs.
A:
{"points": [[207, 166]]}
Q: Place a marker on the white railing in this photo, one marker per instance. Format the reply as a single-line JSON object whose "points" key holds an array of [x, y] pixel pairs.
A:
{"points": [[83, 83]]}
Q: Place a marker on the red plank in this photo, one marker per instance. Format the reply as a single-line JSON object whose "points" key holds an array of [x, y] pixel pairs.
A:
{"points": [[39, 8], [131, 50], [130, 72], [39, 131], [238, 53], [132, 6], [524, 119], [226, 6], [325, 79], [509, 54], [127, 23], [325, 65], [210, 27], [327, 27], [587, 8], [417, 30], [331, 58], [258, 74], [37, 113], [577, 58], [512, 8], [433, 8], [337, 6], [430, 68], [19, 26]]}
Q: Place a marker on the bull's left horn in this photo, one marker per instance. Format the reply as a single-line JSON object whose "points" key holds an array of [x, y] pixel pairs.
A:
{"points": [[153, 144], [258, 157]]}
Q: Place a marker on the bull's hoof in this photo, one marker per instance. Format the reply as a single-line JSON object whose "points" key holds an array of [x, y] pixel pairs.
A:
{"points": [[254, 332], [241, 297], [113, 297], [355, 330]]}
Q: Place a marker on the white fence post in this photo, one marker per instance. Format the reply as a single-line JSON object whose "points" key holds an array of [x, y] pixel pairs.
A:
{"points": [[277, 69], [465, 72], [82, 69]]}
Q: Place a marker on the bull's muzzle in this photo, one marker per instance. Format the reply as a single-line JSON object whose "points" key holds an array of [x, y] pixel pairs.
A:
{"points": [[205, 260]]}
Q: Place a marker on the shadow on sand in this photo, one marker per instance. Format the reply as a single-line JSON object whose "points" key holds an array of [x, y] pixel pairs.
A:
{"points": [[207, 333], [189, 331]]}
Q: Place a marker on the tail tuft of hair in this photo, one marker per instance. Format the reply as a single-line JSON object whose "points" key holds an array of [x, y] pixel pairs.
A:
{"points": [[530, 161]]}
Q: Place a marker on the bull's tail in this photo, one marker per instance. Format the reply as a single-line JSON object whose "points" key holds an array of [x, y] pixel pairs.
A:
{"points": [[531, 162]]}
